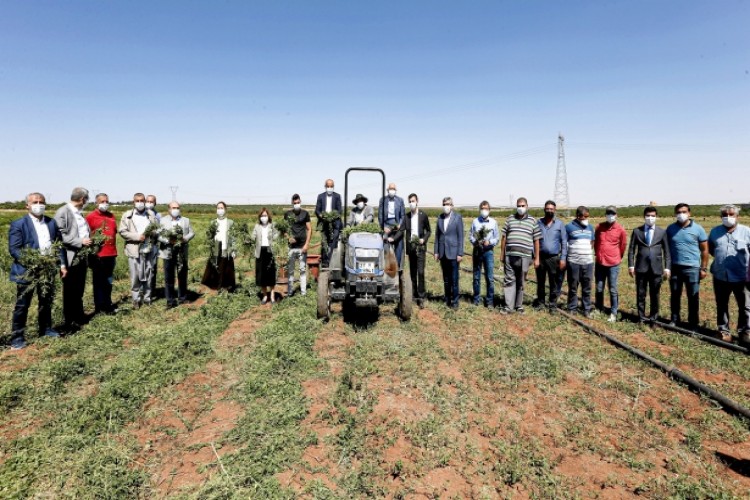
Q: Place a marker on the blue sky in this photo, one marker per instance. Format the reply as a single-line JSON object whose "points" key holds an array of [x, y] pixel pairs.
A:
{"points": [[249, 102]]}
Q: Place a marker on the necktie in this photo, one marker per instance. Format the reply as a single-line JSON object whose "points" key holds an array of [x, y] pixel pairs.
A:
{"points": [[648, 235]]}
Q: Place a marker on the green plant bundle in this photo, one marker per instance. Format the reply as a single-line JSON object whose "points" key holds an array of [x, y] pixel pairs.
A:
{"points": [[414, 241], [175, 240], [42, 268], [151, 234], [328, 219], [239, 233], [367, 227], [481, 234], [98, 238], [213, 247], [283, 226]]}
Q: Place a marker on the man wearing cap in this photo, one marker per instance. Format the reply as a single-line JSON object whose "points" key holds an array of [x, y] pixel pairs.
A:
{"points": [[361, 213], [391, 213], [610, 243], [688, 247]]}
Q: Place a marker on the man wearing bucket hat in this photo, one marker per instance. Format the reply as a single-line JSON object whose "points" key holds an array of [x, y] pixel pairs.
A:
{"points": [[361, 213]]}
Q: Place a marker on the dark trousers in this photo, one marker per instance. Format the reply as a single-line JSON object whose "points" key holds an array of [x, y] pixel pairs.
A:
{"points": [[332, 243], [484, 258], [170, 270], [153, 278], [73, 287], [450, 281], [102, 269], [647, 282], [548, 274], [741, 291], [579, 274], [21, 312], [416, 270], [689, 277]]}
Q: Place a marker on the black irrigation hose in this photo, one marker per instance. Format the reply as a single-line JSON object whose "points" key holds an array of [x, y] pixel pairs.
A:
{"points": [[673, 372]]}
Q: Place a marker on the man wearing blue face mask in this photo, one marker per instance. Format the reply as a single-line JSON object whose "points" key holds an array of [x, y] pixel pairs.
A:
{"points": [[729, 244], [580, 261], [648, 260]]}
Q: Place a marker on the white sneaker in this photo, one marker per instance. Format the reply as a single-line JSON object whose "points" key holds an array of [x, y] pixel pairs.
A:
{"points": [[612, 318]]}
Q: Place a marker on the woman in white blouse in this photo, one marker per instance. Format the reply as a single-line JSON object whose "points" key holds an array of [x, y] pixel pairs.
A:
{"points": [[219, 271], [264, 235]]}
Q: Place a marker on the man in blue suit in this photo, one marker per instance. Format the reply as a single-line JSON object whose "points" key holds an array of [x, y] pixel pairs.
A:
{"points": [[35, 231], [391, 212], [449, 249], [328, 201]]}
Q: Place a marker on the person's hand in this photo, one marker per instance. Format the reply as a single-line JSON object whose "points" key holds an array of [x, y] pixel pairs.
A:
{"points": [[502, 256], [459, 258], [631, 271], [536, 263], [436, 257], [292, 240], [142, 237], [702, 274], [387, 230], [234, 254], [184, 239], [390, 240], [86, 242], [421, 241], [63, 272], [562, 265], [304, 249], [667, 273], [486, 243]]}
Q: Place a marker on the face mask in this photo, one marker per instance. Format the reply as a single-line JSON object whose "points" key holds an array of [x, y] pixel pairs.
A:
{"points": [[583, 222], [263, 219], [447, 209], [175, 212], [103, 207], [38, 209], [682, 217], [521, 210], [297, 207], [329, 190], [391, 193], [150, 206], [484, 213], [413, 205], [139, 205], [650, 220], [361, 205], [729, 221], [220, 212], [549, 215], [611, 218]]}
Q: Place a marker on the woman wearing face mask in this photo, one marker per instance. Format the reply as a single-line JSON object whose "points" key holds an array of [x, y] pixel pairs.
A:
{"points": [[264, 236], [219, 273], [361, 213]]}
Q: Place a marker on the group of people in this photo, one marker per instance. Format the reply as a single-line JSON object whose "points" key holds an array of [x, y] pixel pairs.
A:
{"points": [[679, 253]]}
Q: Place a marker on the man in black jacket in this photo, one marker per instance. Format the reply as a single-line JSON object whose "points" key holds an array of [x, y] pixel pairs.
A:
{"points": [[416, 232], [648, 260], [329, 201]]}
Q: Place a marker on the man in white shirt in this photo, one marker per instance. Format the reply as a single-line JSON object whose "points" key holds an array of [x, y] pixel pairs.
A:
{"points": [[34, 231]]}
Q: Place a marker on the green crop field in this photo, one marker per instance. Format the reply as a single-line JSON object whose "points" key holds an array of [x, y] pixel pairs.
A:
{"points": [[225, 398]]}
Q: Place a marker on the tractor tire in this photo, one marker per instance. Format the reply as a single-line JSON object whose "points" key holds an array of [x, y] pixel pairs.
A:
{"points": [[324, 300], [405, 299]]}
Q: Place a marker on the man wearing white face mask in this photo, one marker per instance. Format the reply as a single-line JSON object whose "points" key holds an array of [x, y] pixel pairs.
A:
{"points": [[580, 261], [327, 202], [140, 253], [729, 244], [361, 213], [391, 213], [482, 254], [518, 249], [688, 247], [610, 244], [76, 235], [103, 264], [449, 250], [415, 232], [174, 264], [33, 231], [648, 260]]}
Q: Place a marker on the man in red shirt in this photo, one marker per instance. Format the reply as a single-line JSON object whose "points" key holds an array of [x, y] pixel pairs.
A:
{"points": [[103, 264], [610, 244]]}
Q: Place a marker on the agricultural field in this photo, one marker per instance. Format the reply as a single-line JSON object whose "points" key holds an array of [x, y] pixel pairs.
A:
{"points": [[225, 398]]}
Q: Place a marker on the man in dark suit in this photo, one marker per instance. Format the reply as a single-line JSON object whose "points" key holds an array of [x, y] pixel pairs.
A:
{"points": [[390, 217], [76, 234], [35, 231], [414, 233], [328, 201], [449, 249], [648, 260]]}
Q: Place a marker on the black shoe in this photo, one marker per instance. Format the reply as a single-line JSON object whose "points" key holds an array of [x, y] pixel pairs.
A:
{"points": [[520, 310], [171, 305], [587, 314], [52, 333]]}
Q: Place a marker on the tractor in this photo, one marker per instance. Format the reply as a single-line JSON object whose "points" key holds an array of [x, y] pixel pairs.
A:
{"points": [[357, 274]]}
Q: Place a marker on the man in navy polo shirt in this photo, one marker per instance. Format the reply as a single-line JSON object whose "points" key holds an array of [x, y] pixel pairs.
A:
{"points": [[688, 247]]}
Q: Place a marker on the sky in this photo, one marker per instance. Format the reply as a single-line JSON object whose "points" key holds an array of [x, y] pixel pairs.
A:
{"points": [[251, 101]]}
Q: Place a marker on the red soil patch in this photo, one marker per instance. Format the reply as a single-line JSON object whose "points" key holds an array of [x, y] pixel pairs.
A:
{"points": [[181, 434]]}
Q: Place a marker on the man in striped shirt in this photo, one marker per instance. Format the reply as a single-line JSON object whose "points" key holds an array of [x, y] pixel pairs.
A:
{"points": [[580, 262], [519, 245]]}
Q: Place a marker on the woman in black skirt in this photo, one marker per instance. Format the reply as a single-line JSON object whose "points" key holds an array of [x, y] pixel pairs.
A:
{"points": [[265, 264], [219, 271]]}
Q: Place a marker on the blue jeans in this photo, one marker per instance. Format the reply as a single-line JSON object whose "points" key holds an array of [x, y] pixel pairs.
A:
{"points": [[603, 274], [450, 281], [689, 277], [484, 258], [579, 273]]}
